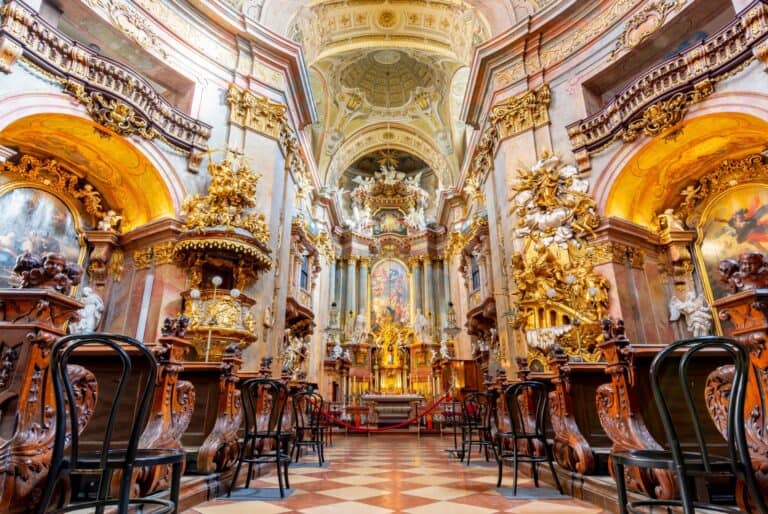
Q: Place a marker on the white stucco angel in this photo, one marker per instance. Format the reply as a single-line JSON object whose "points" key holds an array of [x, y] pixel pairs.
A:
{"points": [[414, 181], [695, 309], [364, 184], [415, 218], [444, 352], [388, 175], [90, 314], [361, 329]]}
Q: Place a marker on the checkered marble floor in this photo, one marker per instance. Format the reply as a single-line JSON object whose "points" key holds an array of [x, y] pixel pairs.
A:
{"points": [[385, 474]]}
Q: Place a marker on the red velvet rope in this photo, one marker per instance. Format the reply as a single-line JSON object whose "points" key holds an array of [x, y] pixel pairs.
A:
{"points": [[390, 427]]}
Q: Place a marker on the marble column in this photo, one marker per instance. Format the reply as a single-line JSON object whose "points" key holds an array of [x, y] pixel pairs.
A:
{"points": [[415, 263], [362, 297], [351, 289], [332, 280], [447, 296], [429, 304]]}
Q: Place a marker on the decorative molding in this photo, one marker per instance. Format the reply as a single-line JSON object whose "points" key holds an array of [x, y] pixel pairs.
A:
{"points": [[164, 253], [661, 97], [255, 112], [116, 96], [523, 112], [647, 21], [132, 23]]}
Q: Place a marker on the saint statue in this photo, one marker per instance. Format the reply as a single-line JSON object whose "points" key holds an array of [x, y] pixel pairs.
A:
{"points": [[421, 327], [360, 330], [90, 314]]}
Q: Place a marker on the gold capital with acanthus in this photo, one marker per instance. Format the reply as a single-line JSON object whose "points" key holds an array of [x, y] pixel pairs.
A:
{"points": [[255, 112]]}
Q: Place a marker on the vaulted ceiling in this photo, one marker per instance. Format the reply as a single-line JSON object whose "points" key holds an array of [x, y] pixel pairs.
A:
{"points": [[389, 74]]}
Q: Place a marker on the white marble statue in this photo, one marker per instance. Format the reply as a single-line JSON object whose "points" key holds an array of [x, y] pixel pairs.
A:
{"points": [[389, 176], [421, 327], [337, 350], [90, 314], [415, 218], [360, 331], [698, 317], [364, 184], [444, 352], [361, 216], [414, 181]]}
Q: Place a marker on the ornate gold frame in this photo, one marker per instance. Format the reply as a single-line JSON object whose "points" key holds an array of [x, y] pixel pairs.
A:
{"points": [[698, 254]]}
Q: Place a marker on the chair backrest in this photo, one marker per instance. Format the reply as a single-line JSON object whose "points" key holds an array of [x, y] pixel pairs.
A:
{"points": [[307, 410], [477, 409], [129, 354], [526, 402], [688, 351], [264, 401]]}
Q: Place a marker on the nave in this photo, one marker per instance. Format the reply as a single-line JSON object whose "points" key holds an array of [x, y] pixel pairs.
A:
{"points": [[385, 474]]}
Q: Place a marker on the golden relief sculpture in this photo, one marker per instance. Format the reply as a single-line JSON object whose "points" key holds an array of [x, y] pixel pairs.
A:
{"points": [[111, 113], [49, 173], [230, 194], [647, 21], [523, 112], [560, 299], [255, 112]]}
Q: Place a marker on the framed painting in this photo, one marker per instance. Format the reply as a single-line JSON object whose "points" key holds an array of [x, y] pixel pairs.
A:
{"points": [[390, 293], [38, 222], [733, 223]]}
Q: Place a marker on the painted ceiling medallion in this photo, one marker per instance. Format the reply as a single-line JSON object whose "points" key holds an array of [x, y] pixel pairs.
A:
{"points": [[387, 57], [387, 19]]}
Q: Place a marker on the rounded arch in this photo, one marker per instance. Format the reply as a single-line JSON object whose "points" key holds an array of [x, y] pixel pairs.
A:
{"points": [[133, 175], [646, 177], [381, 136]]}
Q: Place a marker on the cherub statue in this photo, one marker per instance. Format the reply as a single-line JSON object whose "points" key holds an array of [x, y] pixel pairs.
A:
{"points": [[110, 222], [698, 317]]}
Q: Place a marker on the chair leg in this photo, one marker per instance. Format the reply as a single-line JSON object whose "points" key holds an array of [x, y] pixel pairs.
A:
{"points": [[535, 473], [499, 460], [285, 473], [685, 492], [514, 467], [240, 456], [469, 446], [621, 486], [550, 460], [279, 475], [125, 489], [175, 486]]}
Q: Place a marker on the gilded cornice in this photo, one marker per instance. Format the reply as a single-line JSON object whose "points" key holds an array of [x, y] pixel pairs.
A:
{"points": [[255, 112], [660, 98], [522, 112], [115, 95]]}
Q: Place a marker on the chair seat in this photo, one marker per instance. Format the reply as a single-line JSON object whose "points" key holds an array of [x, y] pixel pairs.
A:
{"points": [[663, 459], [116, 458]]}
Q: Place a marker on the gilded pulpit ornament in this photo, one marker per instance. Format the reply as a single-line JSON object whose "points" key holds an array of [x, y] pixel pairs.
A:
{"points": [[223, 250], [560, 298]]}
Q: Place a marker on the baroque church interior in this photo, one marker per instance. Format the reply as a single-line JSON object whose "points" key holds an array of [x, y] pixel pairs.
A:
{"points": [[381, 252]]}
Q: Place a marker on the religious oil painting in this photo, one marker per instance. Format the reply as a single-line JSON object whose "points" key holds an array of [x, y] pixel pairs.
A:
{"points": [[735, 223], [390, 293], [389, 221], [37, 222]]}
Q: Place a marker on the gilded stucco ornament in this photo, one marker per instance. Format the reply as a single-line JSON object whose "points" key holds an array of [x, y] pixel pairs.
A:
{"points": [[643, 24], [111, 113], [255, 112], [559, 298], [522, 112]]}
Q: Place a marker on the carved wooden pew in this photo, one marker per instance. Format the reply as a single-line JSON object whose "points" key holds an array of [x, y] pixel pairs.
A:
{"points": [[630, 416], [579, 440], [744, 316], [31, 320]]}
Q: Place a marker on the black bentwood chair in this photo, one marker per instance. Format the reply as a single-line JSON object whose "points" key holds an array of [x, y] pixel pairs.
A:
{"points": [[264, 442], [477, 411], [695, 465], [70, 460], [307, 409], [535, 395]]}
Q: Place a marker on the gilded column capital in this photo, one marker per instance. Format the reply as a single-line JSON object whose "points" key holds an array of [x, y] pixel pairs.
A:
{"points": [[522, 112], [142, 258], [255, 112], [365, 261]]}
